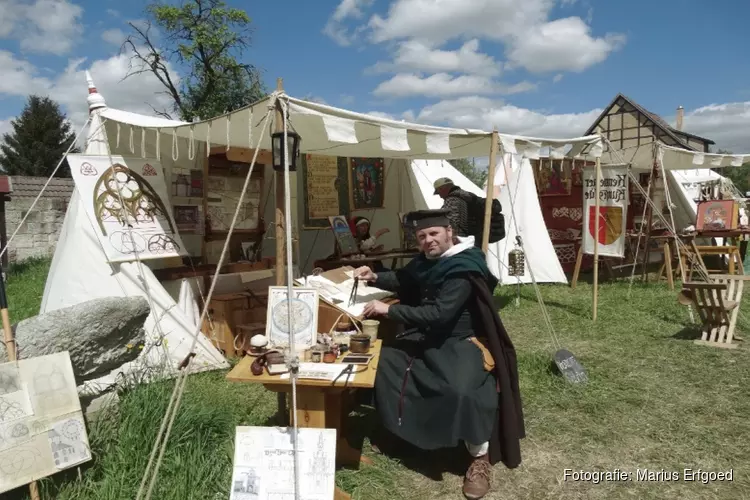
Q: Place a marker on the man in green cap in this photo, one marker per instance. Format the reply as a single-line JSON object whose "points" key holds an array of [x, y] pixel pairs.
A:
{"points": [[452, 375]]}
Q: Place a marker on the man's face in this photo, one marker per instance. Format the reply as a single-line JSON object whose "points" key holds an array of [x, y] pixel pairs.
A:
{"points": [[444, 190], [435, 241]]}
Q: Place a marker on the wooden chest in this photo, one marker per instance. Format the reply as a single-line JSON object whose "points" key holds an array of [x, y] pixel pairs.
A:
{"points": [[227, 313]]}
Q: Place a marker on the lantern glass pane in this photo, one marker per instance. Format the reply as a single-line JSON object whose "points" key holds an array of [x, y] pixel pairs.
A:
{"points": [[278, 161]]}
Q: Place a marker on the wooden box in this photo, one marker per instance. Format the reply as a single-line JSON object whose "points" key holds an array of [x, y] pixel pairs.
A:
{"points": [[227, 313]]}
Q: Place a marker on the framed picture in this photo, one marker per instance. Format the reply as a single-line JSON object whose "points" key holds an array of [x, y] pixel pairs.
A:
{"points": [[716, 215], [366, 183], [304, 306], [408, 235], [347, 245], [187, 218], [554, 178]]}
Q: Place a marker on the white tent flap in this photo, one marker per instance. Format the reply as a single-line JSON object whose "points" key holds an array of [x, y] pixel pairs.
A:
{"points": [[393, 139]]}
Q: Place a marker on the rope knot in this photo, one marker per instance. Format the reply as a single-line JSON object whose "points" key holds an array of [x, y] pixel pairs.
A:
{"points": [[292, 363]]}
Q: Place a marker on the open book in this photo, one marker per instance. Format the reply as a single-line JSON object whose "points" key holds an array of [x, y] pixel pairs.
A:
{"points": [[335, 287]]}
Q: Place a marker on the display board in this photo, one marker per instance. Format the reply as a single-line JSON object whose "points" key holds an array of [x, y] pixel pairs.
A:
{"points": [[127, 203], [344, 238], [325, 189], [264, 463], [42, 429], [304, 304], [223, 189]]}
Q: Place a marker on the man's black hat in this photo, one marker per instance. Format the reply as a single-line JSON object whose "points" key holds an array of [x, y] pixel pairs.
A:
{"points": [[422, 219]]}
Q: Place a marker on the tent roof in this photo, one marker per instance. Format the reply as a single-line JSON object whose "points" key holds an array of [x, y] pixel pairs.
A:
{"points": [[335, 131]]}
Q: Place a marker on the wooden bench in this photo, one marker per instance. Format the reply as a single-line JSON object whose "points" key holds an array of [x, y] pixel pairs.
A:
{"points": [[718, 304]]}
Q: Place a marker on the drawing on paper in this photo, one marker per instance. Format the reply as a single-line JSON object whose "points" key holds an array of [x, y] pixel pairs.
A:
{"points": [[246, 484], [22, 461], [148, 170], [10, 410], [9, 379], [122, 195], [162, 243], [126, 242], [88, 169], [304, 307], [319, 468], [127, 195], [67, 446], [49, 433]]}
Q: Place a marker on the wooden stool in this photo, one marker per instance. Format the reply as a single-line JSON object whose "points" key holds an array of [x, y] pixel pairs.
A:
{"points": [[731, 251]]}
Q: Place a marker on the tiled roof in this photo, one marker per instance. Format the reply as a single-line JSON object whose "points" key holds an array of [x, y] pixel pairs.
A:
{"points": [[29, 187]]}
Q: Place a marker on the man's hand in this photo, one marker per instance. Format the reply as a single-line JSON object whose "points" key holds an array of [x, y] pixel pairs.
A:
{"points": [[376, 308], [365, 273], [381, 232]]}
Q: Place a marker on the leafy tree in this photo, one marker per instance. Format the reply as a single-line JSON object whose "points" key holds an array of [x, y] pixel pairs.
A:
{"points": [[203, 40], [41, 135], [466, 166], [740, 176]]}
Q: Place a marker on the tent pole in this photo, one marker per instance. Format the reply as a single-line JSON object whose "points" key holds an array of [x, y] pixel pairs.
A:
{"points": [[490, 191], [597, 217], [279, 226]]}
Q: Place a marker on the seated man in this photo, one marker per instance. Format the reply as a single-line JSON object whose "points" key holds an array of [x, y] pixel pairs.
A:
{"points": [[437, 386]]}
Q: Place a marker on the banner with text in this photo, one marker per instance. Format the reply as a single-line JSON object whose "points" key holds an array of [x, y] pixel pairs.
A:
{"points": [[608, 227]]}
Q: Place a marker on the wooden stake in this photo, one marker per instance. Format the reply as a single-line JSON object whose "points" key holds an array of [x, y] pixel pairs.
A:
{"points": [[279, 179], [597, 217], [490, 191], [10, 347]]}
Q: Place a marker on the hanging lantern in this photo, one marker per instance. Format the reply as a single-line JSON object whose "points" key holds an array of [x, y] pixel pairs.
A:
{"points": [[278, 147], [516, 262]]}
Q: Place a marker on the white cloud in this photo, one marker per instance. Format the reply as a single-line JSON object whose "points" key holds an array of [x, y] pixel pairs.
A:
{"points": [[443, 85], [726, 124], [380, 114], [485, 113], [114, 36], [562, 45], [5, 127], [113, 12], [414, 55], [20, 78], [44, 26], [346, 99], [347, 9], [557, 78]]}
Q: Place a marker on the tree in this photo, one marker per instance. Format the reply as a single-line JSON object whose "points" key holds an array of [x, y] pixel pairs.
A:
{"points": [[203, 40], [740, 176], [41, 135], [476, 175]]}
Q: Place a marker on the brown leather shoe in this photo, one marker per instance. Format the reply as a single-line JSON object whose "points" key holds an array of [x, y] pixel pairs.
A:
{"points": [[477, 479]]}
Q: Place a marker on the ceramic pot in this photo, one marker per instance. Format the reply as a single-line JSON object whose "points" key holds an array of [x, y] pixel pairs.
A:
{"points": [[329, 357], [359, 344]]}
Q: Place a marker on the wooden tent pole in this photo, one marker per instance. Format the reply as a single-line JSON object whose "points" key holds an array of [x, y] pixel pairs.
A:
{"points": [[10, 347], [597, 218], [490, 191], [279, 179], [279, 225]]}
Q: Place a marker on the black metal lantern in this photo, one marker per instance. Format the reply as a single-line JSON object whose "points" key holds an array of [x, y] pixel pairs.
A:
{"points": [[277, 148], [516, 262]]}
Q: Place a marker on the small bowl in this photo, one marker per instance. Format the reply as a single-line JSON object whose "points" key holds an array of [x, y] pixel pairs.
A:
{"points": [[329, 357], [359, 344]]}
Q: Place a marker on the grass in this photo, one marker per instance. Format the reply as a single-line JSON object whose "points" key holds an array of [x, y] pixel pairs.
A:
{"points": [[655, 400]]}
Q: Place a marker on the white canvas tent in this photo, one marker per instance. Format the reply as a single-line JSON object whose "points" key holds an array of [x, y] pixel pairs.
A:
{"points": [[80, 272], [520, 207]]}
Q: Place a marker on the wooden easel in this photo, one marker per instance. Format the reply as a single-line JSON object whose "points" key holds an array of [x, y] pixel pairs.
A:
{"points": [[10, 346]]}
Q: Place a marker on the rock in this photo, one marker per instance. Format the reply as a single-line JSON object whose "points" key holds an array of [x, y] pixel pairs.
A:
{"points": [[96, 333], [100, 406]]}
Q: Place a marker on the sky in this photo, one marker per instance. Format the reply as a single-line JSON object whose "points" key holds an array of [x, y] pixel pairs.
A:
{"points": [[543, 68]]}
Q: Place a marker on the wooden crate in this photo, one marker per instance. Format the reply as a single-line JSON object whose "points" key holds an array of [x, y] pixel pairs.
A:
{"points": [[227, 312]]}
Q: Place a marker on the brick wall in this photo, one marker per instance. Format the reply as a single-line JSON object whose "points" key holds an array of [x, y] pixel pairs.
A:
{"points": [[38, 236]]}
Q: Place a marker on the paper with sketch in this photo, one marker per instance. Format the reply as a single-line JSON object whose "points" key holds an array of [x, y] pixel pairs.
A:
{"points": [[338, 294], [49, 435], [264, 464], [322, 371]]}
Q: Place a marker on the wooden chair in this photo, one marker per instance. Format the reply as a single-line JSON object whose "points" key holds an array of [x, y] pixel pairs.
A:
{"points": [[718, 304]]}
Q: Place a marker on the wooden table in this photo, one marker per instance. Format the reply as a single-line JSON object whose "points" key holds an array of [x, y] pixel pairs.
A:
{"points": [[327, 264], [319, 403]]}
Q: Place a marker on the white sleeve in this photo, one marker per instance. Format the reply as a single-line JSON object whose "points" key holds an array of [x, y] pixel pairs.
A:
{"points": [[368, 243]]}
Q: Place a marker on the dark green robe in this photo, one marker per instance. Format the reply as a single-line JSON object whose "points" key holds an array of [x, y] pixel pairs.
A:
{"points": [[431, 388]]}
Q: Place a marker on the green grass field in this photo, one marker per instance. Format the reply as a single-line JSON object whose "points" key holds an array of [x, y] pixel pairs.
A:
{"points": [[655, 400]]}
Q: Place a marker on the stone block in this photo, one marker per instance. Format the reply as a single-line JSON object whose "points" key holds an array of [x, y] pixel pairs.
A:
{"points": [[23, 241]]}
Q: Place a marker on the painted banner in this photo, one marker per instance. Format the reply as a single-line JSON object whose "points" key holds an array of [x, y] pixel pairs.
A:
{"points": [[608, 227], [128, 206]]}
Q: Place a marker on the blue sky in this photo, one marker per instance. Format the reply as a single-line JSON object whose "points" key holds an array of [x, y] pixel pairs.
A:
{"points": [[534, 67]]}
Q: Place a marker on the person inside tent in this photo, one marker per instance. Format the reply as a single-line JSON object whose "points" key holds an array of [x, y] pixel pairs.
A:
{"points": [[439, 384], [460, 205], [360, 227]]}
